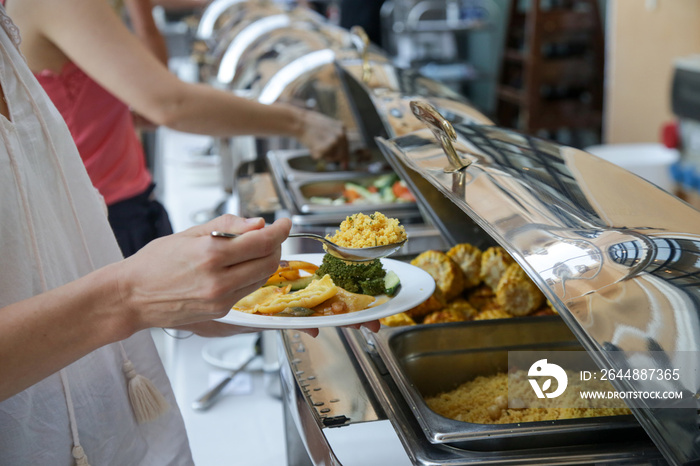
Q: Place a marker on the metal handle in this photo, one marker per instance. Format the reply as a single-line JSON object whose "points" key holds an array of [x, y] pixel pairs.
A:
{"points": [[443, 131], [361, 36]]}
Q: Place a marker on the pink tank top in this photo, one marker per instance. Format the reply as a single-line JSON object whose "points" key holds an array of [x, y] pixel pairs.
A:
{"points": [[103, 130]]}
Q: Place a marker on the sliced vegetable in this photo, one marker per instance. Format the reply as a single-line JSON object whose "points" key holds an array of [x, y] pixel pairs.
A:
{"points": [[296, 311], [361, 190], [385, 180], [297, 284], [391, 283], [388, 195], [401, 191], [288, 271]]}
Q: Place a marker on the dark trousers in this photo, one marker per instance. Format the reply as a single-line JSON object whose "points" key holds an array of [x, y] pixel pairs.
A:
{"points": [[137, 221]]}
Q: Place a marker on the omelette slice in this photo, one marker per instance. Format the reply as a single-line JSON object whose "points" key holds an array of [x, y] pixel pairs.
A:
{"points": [[271, 303]]}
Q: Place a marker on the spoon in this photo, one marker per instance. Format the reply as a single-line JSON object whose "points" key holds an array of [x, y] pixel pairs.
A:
{"points": [[208, 399], [348, 254]]}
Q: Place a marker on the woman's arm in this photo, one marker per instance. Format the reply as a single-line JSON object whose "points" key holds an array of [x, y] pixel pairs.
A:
{"points": [[140, 14], [89, 33], [174, 281]]}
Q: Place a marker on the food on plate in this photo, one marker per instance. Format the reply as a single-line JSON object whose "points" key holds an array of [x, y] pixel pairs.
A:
{"points": [[447, 274], [299, 288], [361, 231], [516, 293], [458, 299], [365, 231], [289, 273], [343, 302], [264, 302], [494, 262], [356, 277], [468, 257], [385, 189], [485, 400]]}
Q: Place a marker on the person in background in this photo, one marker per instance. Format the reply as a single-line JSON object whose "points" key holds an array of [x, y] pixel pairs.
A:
{"points": [[81, 381], [95, 70]]}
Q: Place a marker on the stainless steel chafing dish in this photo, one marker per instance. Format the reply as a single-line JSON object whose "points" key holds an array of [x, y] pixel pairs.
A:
{"points": [[615, 255], [217, 14]]}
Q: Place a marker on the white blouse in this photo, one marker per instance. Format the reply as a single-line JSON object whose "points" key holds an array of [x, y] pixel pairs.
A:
{"points": [[53, 229]]}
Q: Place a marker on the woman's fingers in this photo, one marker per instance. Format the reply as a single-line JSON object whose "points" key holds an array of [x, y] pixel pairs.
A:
{"points": [[250, 245]]}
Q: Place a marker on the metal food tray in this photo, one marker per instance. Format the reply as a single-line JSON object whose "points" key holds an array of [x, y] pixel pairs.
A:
{"points": [[426, 360], [302, 192], [296, 165]]}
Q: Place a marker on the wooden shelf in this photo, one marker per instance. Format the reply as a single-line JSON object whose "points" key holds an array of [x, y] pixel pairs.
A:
{"points": [[552, 68]]}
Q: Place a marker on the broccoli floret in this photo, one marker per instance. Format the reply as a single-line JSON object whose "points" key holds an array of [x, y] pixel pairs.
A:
{"points": [[356, 277]]}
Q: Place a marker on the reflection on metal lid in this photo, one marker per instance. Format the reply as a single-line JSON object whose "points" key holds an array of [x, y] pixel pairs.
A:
{"points": [[211, 15], [229, 62], [279, 82]]}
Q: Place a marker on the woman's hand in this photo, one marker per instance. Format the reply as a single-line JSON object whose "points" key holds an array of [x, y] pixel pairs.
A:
{"points": [[324, 137], [191, 276]]}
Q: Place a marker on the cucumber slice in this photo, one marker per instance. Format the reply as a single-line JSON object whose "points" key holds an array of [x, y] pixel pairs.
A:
{"points": [[298, 284], [385, 180], [391, 283]]}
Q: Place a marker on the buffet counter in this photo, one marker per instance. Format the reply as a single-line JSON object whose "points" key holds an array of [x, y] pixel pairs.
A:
{"points": [[617, 268]]}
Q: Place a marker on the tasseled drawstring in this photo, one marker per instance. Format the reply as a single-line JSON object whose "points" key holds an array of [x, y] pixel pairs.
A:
{"points": [[146, 400], [78, 452], [79, 455]]}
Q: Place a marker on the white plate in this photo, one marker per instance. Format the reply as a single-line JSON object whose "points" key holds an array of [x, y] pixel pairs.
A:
{"points": [[231, 352], [416, 286]]}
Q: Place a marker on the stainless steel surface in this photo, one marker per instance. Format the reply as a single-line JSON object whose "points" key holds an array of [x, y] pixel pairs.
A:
{"points": [[422, 452], [296, 193], [616, 255], [209, 398], [349, 254], [295, 165], [338, 379], [443, 132], [270, 43], [320, 391], [220, 24], [216, 14], [427, 360]]}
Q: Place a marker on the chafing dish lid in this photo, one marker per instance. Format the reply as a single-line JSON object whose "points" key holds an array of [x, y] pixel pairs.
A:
{"points": [[618, 257]]}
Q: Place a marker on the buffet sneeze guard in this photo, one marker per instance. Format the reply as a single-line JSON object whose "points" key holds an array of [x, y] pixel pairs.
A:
{"points": [[618, 257]]}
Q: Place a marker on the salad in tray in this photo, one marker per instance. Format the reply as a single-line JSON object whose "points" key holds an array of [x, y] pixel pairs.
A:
{"points": [[384, 189]]}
